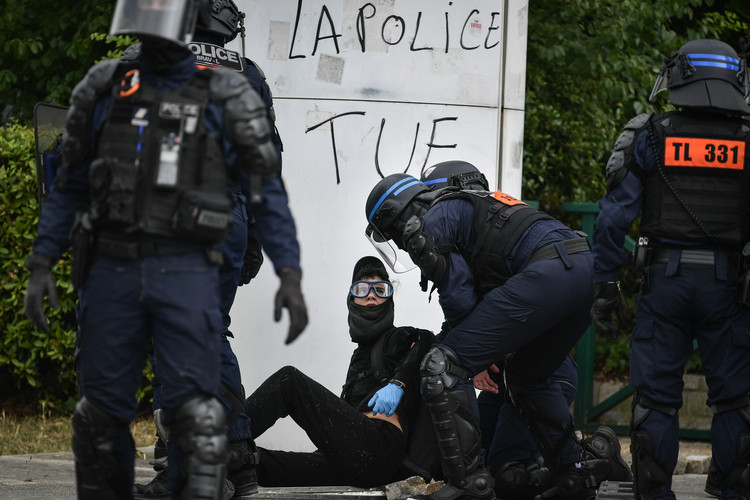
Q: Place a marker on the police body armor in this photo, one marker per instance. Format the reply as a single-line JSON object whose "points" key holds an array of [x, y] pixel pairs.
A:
{"points": [[705, 170], [495, 213], [158, 171]]}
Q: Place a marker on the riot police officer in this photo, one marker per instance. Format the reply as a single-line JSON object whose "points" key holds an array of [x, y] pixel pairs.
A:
{"points": [[514, 284], [149, 151], [218, 24], [510, 453], [686, 171]]}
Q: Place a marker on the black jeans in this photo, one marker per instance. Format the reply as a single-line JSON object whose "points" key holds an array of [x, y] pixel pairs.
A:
{"points": [[352, 449]]}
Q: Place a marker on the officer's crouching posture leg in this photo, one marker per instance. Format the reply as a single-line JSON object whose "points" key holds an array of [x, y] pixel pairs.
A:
{"points": [[650, 479], [455, 427], [99, 470], [575, 472], [199, 429]]}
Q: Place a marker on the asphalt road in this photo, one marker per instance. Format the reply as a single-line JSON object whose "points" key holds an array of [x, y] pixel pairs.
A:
{"points": [[51, 476]]}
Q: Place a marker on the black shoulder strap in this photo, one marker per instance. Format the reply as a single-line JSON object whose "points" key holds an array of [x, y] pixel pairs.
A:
{"points": [[376, 369], [377, 366]]}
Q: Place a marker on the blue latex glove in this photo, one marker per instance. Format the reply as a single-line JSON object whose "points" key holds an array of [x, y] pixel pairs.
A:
{"points": [[386, 400]]}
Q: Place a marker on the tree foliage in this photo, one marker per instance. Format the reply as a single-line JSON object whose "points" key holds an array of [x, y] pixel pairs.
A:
{"points": [[590, 68], [591, 65], [34, 366], [46, 48]]}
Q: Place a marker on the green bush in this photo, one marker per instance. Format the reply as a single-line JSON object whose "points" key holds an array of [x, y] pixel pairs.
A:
{"points": [[34, 366]]}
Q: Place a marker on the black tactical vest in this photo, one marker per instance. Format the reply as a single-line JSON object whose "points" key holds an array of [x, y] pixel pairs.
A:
{"points": [[157, 170], [499, 222], [704, 197]]}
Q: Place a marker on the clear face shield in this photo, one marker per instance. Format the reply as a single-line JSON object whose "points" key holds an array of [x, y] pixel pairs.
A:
{"points": [[398, 260], [173, 20], [660, 84]]}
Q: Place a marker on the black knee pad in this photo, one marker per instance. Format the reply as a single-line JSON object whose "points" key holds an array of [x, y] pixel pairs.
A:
{"points": [[440, 370], [98, 468], [649, 477], [455, 425], [199, 429], [738, 477]]}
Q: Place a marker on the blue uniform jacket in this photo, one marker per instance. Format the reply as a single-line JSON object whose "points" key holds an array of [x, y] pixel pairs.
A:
{"points": [[449, 222], [60, 207], [617, 211]]}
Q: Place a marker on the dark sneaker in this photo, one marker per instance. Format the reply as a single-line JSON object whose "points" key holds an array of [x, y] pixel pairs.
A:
{"points": [[241, 469], [157, 488]]}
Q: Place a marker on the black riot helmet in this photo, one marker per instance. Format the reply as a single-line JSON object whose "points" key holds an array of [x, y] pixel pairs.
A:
{"points": [[393, 201], [220, 18], [461, 174], [705, 74], [170, 21]]}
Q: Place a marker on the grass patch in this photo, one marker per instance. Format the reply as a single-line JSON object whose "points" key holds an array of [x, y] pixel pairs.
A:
{"points": [[28, 434]]}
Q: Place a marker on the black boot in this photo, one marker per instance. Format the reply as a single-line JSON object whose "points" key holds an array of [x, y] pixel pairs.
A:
{"points": [[605, 445], [243, 457], [516, 481], [713, 480], [601, 461]]}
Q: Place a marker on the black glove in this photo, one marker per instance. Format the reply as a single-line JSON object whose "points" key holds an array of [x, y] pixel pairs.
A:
{"points": [[289, 295], [252, 261], [607, 301], [41, 284]]}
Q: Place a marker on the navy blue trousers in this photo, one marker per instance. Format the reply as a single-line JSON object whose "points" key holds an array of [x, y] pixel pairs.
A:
{"points": [[691, 304], [126, 306], [539, 314], [505, 434], [233, 250]]}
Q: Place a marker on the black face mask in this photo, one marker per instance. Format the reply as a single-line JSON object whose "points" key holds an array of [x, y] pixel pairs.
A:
{"points": [[160, 54], [368, 323]]}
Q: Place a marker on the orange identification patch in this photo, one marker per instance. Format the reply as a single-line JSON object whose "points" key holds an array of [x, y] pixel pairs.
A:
{"points": [[506, 199], [695, 152]]}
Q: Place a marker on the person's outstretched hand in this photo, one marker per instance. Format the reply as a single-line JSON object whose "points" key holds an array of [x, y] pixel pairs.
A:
{"points": [[40, 285], [289, 296], [386, 400]]}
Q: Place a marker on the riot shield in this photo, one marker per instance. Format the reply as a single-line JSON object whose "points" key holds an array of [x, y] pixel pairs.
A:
{"points": [[49, 124]]}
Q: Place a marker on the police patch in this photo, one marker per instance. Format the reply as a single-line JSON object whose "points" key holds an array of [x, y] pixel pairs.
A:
{"points": [[214, 56]]}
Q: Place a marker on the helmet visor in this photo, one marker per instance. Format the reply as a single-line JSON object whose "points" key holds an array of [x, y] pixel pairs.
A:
{"points": [[169, 19], [397, 259], [659, 85], [361, 289]]}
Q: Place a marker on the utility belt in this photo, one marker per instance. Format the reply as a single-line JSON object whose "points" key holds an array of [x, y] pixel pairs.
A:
{"points": [[704, 257], [729, 266], [561, 249], [119, 246]]}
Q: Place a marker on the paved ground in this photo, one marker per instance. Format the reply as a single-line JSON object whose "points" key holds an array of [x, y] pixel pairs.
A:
{"points": [[51, 476]]}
